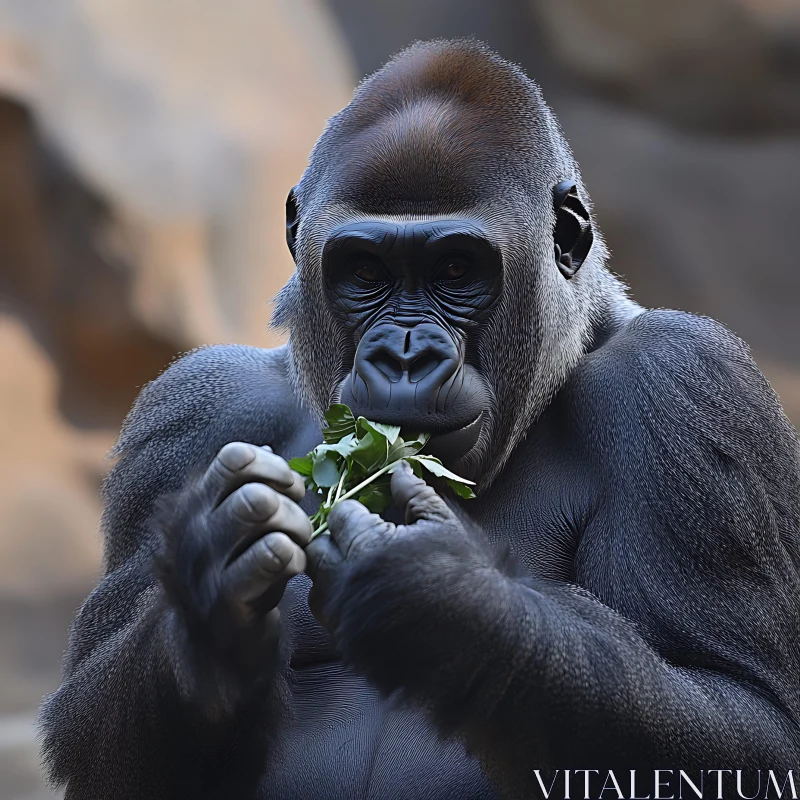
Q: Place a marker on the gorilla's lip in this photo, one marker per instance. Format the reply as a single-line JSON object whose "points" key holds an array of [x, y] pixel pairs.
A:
{"points": [[454, 445]]}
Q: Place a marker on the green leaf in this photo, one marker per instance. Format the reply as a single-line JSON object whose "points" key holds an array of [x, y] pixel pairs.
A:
{"points": [[408, 447], [302, 465], [377, 499], [371, 451], [390, 432], [343, 447], [356, 459], [341, 423], [325, 471], [437, 468], [462, 490]]}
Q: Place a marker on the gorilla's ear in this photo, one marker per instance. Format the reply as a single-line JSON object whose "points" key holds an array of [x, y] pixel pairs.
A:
{"points": [[292, 221], [573, 234]]}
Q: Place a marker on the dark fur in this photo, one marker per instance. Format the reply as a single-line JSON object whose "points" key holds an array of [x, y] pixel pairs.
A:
{"points": [[203, 712], [642, 473], [691, 537]]}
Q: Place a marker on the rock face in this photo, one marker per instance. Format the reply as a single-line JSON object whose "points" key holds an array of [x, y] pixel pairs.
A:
{"points": [[146, 150], [705, 225], [48, 510], [730, 66], [58, 276], [685, 118]]}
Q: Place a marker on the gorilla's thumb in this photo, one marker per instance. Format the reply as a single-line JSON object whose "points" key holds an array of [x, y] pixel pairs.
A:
{"points": [[419, 500]]}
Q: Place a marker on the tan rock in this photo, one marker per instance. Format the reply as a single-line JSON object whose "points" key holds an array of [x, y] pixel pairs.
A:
{"points": [[708, 64], [146, 151], [49, 478], [192, 120]]}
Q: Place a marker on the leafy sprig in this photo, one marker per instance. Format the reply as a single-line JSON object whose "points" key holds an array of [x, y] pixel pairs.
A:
{"points": [[357, 458]]}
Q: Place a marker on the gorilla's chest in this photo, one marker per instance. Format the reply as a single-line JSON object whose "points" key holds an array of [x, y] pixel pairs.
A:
{"points": [[347, 743], [344, 740], [539, 504]]}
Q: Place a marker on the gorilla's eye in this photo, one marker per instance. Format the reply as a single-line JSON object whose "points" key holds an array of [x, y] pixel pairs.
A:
{"points": [[451, 268], [369, 269]]}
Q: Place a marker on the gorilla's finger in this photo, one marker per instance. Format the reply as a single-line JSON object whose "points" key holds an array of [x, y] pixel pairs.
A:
{"points": [[253, 510], [353, 527], [238, 463], [291, 520], [324, 560], [322, 555], [419, 500], [269, 563]]}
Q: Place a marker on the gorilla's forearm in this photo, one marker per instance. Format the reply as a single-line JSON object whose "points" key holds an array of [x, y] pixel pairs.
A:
{"points": [[535, 673], [139, 706]]}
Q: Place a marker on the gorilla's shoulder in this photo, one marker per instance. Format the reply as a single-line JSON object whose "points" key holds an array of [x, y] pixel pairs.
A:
{"points": [[671, 347], [678, 398], [220, 386], [207, 398]]}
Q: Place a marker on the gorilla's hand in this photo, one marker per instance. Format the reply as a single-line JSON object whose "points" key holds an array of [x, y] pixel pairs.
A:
{"points": [[232, 540], [401, 601], [355, 533]]}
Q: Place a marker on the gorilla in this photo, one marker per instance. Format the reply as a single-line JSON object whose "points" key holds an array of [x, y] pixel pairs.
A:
{"points": [[624, 593]]}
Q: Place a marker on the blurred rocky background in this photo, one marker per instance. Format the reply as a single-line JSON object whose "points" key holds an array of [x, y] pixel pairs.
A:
{"points": [[146, 150]]}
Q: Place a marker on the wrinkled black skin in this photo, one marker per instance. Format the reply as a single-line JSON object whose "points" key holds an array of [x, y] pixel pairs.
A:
{"points": [[412, 322], [647, 615]]}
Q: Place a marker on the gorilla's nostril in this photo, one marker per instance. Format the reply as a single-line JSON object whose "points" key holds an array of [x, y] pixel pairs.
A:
{"points": [[389, 366], [422, 367]]}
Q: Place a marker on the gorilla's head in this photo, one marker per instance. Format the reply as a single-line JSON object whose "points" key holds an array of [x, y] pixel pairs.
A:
{"points": [[449, 275]]}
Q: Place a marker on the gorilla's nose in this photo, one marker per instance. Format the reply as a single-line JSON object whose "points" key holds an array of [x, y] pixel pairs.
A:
{"points": [[402, 367]]}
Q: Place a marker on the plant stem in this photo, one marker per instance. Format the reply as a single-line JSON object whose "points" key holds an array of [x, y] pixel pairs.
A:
{"points": [[339, 487], [368, 481], [354, 491]]}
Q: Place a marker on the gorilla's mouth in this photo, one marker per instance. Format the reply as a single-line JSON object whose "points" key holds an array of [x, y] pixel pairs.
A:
{"points": [[452, 446]]}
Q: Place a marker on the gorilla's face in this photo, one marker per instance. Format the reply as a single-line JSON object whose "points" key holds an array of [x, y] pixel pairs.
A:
{"points": [[438, 232], [409, 293]]}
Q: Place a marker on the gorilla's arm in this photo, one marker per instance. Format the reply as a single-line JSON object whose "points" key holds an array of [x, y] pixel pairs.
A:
{"points": [[155, 702], [692, 546], [138, 716]]}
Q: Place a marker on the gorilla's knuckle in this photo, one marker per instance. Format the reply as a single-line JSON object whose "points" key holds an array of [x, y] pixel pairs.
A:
{"points": [[277, 469], [266, 560], [235, 456], [296, 566], [297, 490], [423, 493], [258, 502], [237, 589], [280, 546], [300, 526], [344, 510], [416, 508], [316, 550], [359, 543]]}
